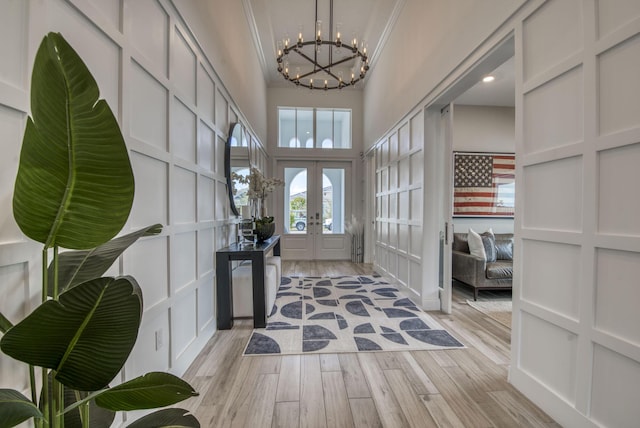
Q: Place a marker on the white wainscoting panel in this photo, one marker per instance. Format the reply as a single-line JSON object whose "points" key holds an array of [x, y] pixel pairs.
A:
{"points": [[206, 146], [619, 92], [110, 9], [88, 39], [13, 44], [14, 306], [183, 131], [617, 274], [555, 367], [206, 189], [560, 209], [150, 204], [183, 202], [145, 357], [12, 124], [618, 181], [222, 111], [206, 95], [206, 304], [154, 282], [148, 108], [205, 252], [549, 280], [616, 383], [183, 68], [147, 29], [183, 260], [219, 154], [612, 15], [559, 103], [553, 33], [184, 329]]}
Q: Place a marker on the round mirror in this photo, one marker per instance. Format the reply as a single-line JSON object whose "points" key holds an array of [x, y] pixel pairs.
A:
{"points": [[236, 162]]}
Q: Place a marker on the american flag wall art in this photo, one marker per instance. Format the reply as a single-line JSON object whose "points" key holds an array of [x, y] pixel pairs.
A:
{"points": [[484, 184]]}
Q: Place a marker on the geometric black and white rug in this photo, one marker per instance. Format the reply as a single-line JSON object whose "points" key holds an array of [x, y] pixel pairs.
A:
{"points": [[346, 314]]}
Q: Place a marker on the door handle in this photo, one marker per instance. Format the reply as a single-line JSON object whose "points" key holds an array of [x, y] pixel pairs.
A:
{"points": [[446, 233]]}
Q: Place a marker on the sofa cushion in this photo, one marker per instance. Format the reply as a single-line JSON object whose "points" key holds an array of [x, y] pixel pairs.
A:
{"points": [[499, 270], [504, 248]]}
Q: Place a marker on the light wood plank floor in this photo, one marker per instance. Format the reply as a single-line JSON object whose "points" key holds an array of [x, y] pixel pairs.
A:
{"points": [[453, 388]]}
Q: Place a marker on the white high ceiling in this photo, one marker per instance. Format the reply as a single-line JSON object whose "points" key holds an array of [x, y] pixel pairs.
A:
{"points": [[369, 20]]}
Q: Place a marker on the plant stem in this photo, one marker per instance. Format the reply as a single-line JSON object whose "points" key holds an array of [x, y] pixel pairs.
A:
{"points": [[46, 404], [84, 415], [55, 272], [32, 384]]}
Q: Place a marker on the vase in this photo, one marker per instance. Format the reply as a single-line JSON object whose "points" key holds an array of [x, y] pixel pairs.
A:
{"points": [[264, 231], [263, 208], [255, 209]]}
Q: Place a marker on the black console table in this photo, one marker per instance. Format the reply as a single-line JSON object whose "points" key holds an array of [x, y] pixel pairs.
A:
{"points": [[257, 254]]}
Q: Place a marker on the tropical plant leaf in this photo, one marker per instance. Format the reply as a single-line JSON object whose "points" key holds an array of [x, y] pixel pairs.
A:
{"points": [[178, 418], [85, 336], [74, 187], [15, 408], [5, 324], [155, 389], [76, 267]]}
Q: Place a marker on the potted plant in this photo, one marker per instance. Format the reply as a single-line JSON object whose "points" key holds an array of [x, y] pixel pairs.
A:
{"points": [[74, 189]]}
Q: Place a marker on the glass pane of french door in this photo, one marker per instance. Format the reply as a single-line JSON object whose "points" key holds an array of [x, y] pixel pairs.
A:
{"points": [[295, 196], [333, 186]]}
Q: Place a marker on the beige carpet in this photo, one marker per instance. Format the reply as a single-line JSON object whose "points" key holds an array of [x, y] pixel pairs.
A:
{"points": [[498, 310]]}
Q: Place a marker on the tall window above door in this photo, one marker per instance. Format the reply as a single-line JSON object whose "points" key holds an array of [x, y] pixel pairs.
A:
{"points": [[309, 128]]}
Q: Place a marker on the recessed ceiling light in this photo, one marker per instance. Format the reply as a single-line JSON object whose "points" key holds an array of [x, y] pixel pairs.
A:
{"points": [[488, 79]]}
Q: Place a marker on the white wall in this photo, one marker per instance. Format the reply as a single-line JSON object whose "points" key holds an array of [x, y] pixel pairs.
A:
{"points": [[174, 113], [575, 344], [483, 129], [429, 40], [578, 229], [400, 252]]}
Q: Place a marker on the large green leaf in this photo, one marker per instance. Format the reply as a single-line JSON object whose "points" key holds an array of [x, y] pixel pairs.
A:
{"points": [[16, 408], [5, 324], [178, 418], [75, 186], [85, 336], [155, 389], [76, 267]]}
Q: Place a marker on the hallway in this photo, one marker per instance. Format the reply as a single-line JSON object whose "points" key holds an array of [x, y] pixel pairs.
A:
{"points": [[456, 388]]}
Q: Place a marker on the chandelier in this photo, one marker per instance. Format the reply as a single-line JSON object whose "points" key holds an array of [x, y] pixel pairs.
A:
{"points": [[322, 68]]}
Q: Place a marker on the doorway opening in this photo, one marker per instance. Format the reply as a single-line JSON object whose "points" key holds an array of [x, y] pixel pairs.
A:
{"points": [[471, 116]]}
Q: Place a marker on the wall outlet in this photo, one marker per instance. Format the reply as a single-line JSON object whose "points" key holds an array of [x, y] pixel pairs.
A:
{"points": [[159, 340]]}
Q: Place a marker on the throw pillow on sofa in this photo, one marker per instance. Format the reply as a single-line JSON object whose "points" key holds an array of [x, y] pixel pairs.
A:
{"points": [[482, 245], [476, 247], [489, 243]]}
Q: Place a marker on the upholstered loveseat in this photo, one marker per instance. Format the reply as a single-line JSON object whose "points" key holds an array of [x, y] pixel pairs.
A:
{"points": [[493, 272]]}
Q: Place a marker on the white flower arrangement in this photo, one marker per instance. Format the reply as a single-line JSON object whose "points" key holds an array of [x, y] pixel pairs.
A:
{"points": [[259, 185]]}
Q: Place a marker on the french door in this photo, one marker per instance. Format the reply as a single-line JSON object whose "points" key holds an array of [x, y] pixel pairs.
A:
{"points": [[315, 209]]}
